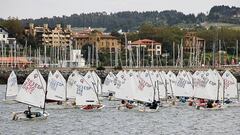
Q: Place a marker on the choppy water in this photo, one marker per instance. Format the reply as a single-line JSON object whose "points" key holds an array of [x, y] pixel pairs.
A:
{"points": [[109, 121]]}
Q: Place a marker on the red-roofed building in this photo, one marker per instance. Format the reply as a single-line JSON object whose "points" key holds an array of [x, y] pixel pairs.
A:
{"points": [[150, 45], [9, 61]]}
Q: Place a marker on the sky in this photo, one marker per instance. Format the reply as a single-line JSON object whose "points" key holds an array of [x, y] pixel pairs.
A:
{"points": [[48, 8]]}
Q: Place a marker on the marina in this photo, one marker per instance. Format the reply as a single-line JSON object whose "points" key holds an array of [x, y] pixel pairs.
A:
{"points": [[133, 67]]}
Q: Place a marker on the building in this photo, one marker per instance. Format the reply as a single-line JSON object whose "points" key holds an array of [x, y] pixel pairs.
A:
{"points": [[56, 36], [150, 45], [20, 62], [3, 35], [102, 41], [76, 60], [192, 42]]}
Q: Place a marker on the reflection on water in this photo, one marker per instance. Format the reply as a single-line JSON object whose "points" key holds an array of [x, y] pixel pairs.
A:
{"points": [[175, 120]]}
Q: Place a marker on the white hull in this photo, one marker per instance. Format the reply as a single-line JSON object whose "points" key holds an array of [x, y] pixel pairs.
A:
{"points": [[124, 108], [209, 109], [64, 105], [232, 105], [91, 108], [147, 109], [35, 116]]}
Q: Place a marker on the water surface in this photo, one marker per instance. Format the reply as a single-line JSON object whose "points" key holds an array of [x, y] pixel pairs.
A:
{"points": [[173, 120]]}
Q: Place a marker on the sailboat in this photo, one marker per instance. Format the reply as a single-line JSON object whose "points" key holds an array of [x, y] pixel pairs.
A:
{"points": [[98, 82], [12, 88], [72, 87], [170, 80], [230, 89], [183, 86], [206, 87], [95, 81], [86, 96], [56, 88], [146, 90], [108, 86], [124, 86], [33, 93]]}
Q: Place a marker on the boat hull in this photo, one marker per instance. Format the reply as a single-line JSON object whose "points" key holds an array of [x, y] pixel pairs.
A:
{"points": [[148, 110], [90, 108], [35, 116], [209, 109]]}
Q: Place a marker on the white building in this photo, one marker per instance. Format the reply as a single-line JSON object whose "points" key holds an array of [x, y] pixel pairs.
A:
{"points": [[76, 60], [3, 36]]}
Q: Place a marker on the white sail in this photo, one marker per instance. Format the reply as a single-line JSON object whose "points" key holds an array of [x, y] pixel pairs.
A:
{"points": [[49, 76], [145, 87], [183, 86], [212, 85], [108, 85], [33, 90], [85, 93], [156, 84], [230, 85], [124, 86], [71, 84], [199, 84], [93, 80], [56, 87], [12, 86], [98, 82], [171, 82], [205, 85], [219, 84]]}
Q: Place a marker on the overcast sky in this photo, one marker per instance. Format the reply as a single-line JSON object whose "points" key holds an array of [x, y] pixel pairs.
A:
{"points": [[49, 8]]}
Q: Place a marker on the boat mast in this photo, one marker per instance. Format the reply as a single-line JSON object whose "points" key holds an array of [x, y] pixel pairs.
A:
{"points": [[125, 37], [45, 91], [236, 51]]}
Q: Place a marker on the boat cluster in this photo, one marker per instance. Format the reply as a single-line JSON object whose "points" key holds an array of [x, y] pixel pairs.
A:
{"points": [[202, 87], [144, 91]]}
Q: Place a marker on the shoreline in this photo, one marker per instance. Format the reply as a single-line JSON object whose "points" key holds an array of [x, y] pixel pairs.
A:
{"points": [[23, 73]]}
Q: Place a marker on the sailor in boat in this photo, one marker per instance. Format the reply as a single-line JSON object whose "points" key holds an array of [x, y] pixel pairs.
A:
{"points": [[110, 96], [201, 103], [59, 102], [28, 112], [190, 101], [125, 104], [154, 105], [228, 101], [172, 100], [182, 99], [210, 104], [90, 106], [129, 105], [216, 104]]}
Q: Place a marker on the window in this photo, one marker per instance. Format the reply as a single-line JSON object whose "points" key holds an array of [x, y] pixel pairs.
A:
{"points": [[3, 36]]}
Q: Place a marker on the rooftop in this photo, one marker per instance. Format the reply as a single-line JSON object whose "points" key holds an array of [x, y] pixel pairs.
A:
{"points": [[145, 42]]}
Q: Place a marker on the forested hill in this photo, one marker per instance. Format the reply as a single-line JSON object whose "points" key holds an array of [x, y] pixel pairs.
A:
{"points": [[131, 20]]}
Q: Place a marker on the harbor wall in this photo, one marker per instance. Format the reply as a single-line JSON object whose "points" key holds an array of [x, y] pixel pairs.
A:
{"points": [[23, 73]]}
